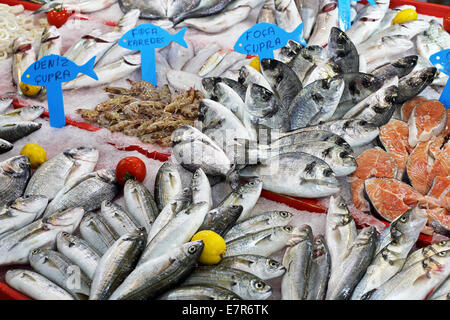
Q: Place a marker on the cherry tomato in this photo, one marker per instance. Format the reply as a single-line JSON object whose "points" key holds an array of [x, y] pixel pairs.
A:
{"points": [[447, 22], [58, 16], [130, 168]]}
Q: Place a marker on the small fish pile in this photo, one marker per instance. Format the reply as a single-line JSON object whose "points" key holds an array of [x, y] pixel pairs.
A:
{"points": [[150, 113], [411, 169]]}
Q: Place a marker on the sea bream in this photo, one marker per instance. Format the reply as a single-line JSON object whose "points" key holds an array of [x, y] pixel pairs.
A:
{"points": [[14, 131], [326, 19], [342, 51], [14, 175], [400, 68], [221, 219]]}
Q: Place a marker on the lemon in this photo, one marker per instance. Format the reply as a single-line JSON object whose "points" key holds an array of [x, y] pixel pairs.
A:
{"points": [[255, 64], [214, 248], [28, 89], [35, 153], [405, 15]]}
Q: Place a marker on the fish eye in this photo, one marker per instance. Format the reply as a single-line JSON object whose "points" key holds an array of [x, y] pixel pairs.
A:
{"points": [[425, 263], [363, 122], [279, 78], [35, 251], [442, 243], [259, 285], [404, 218], [442, 254], [251, 183], [273, 264], [287, 228], [284, 214], [328, 172], [192, 249]]}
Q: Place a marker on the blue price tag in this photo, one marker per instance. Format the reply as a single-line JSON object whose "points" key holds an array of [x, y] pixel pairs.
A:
{"points": [[50, 72], [344, 6], [441, 60], [146, 38]]}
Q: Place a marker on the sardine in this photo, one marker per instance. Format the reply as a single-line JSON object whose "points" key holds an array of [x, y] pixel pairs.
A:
{"points": [[14, 175], [97, 233], [249, 75], [319, 272]]}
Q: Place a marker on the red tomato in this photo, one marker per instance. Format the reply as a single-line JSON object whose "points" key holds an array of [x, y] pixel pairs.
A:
{"points": [[447, 22], [57, 17], [130, 168]]}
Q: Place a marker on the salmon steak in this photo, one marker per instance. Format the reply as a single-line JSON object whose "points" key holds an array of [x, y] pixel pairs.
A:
{"points": [[373, 162], [390, 198], [439, 220], [439, 194], [408, 106], [427, 119], [441, 165], [394, 138], [419, 166]]}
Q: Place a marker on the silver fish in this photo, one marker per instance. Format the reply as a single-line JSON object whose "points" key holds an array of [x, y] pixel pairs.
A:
{"points": [[426, 252], [79, 252], [95, 230], [14, 175], [304, 61], [22, 114], [443, 290], [35, 286], [5, 103], [385, 48], [244, 284], [249, 75], [209, 86], [287, 15], [14, 131], [16, 247], [262, 267], [23, 57], [297, 260], [287, 53], [199, 59], [308, 11], [326, 19], [400, 68], [167, 184], [221, 219], [149, 9], [414, 83], [212, 62], [342, 51], [158, 274], [204, 8], [200, 188], [116, 264], [59, 269], [182, 80], [229, 60], [199, 292], [319, 271], [51, 42], [117, 218], [267, 13], [84, 6], [78, 46]]}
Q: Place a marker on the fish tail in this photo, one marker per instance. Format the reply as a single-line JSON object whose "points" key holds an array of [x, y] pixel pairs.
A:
{"points": [[88, 68], [179, 37], [297, 34]]}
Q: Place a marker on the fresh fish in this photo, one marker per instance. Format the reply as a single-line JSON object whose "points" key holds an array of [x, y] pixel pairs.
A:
{"points": [[267, 13], [155, 9], [51, 42], [12, 132], [443, 290], [259, 222], [297, 260], [199, 292], [200, 188], [209, 86], [175, 8], [229, 60], [84, 6], [199, 59], [23, 114], [346, 276], [21, 212], [319, 271], [14, 175], [249, 75], [176, 232], [16, 247], [390, 259], [385, 48], [219, 22], [296, 174], [59, 269], [35, 286], [204, 8], [327, 18], [116, 264], [340, 231], [178, 55], [299, 60], [182, 80], [262, 267], [308, 11], [414, 83], [157, 275], [95, 230], [287, 53], [316, 102], [287, 15], [167, 184], [400, 68], [322, 70], [342, 51], [264, 242], [78, 46], [118, 219], [386, 22], [438, 35], [212, 62], [79, 252], [87, 191], [244, 284], [23, 57], [60, 170], [426, 252], [5, 103], [221, 219], [140, 204]]}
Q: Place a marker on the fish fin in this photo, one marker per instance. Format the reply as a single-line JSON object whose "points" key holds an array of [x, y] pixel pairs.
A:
{"points": [[297, 34], [179, 37], [368, 294], [88, 68]]}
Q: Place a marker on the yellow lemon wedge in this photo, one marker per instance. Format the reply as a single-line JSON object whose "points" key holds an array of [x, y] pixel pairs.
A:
{"points": [[29, 90], [254, 63], [405, 15], [35, 153], [214, 248]]}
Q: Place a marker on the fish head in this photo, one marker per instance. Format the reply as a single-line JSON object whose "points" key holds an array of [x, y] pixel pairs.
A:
{"points": [[340, 156], [193, 249], [235, 211], [338, 213], [31, 113], [138, 236], [257, 288], [16, 166], [409, 223], [108, 176], [313, 54], [390, 96], [50, 69], [253, 186], [30, 204], [65, 238], [208, 86], [319, 246], [87, 154], [437, 264], [271, 268], [405, 65], [38, 256], [365, 237], [68, 219], [289, 51], [330, 89], [271, 69], [281, 216], [184, 134], [362, 129], [319, 173], [260, 101], [198, 178], [296, 234]]}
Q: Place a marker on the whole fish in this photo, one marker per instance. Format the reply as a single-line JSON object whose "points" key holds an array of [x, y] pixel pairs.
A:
{"points": [[414, 83], [262, 267], [221, 219], [297, 260], [14, 175], [35, 286], [23, 57], [327, 18], [267, 13], [14, 131], [316, 102], [209, 86], [391, 258], [438, 35], [323, 69], [148, 9], [385, 48], [249, 75], [426, 252], [229, 60], [179, 55], [159, 274], [21, 212], [287, 15], [346, 276], [140, 204], [59, 269], [87, 191], [244, 284], [416, 281], [16, 246], [5, 146], [51, 42], [78, 46], [400, 68], [246, 196], [176, 232], [53, 174], [97, 233], [5, 103], [116, 264], [308, 11], [203, 9], [181, 80], [265, 242], [84, 6], [259, 222], [178, 7], [319, 271], [22, 114], [167, 184], [282, 79], [199, 59], [200, 188], [304, 61], [342, 51], [199, 292], [296, 174], [79, 252], [117, 218]]}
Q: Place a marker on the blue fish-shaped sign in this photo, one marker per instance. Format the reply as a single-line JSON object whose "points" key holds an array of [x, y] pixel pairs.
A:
{"points": [[146, 38], [50, 72], [263, 38], [441, 60]]}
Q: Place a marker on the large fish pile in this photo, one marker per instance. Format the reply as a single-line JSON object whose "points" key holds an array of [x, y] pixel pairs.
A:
{"points": [[150, 113]]}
